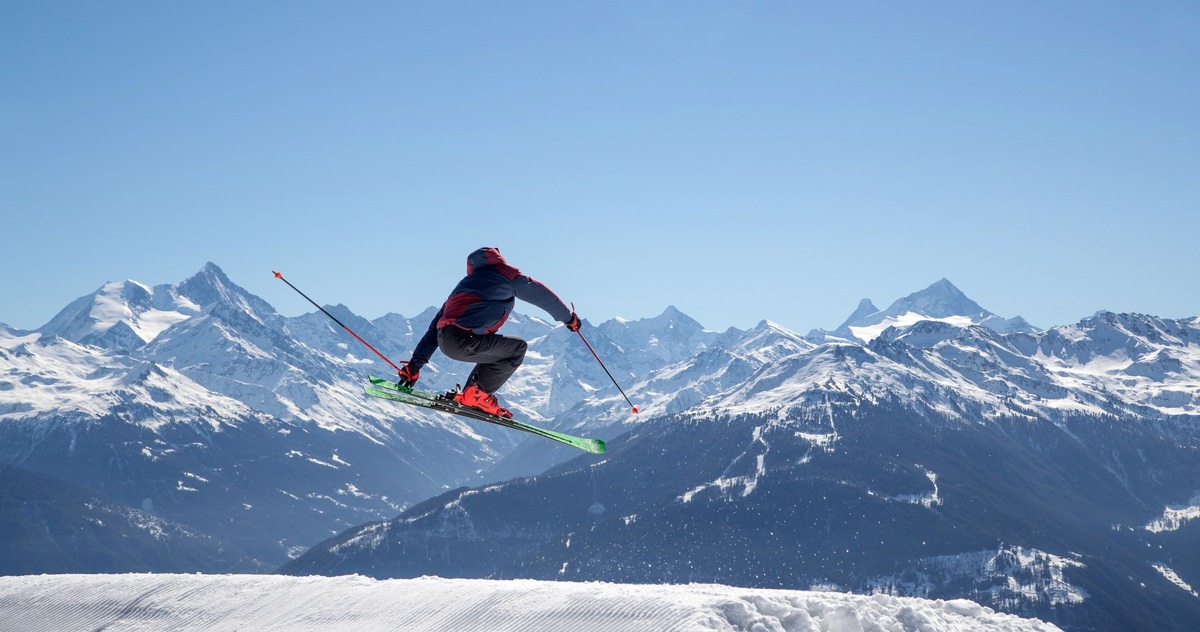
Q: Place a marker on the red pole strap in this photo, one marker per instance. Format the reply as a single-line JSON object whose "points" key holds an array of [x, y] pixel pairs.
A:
{"points": [[279, 275]]}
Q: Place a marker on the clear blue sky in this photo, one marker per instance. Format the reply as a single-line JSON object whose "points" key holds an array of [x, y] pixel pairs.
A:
{"points": [[741, 161]]}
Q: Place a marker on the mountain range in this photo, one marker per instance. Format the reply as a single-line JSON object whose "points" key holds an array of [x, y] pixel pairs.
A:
{"points": [[930, 449], [200, 403]]}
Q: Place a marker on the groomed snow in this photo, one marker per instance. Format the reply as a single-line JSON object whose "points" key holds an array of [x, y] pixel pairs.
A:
{"points": [[271, 602]]}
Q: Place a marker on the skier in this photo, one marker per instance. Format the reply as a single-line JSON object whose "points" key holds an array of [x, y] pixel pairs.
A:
{"points": [[465, 328]]}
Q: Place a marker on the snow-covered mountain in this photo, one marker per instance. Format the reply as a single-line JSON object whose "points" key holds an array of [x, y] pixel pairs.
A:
{"points": [[941, 302], [930, 449], [193, 402], [121, 315], [1110, 364], [723, 362], [266, 603], [202, 403], [1028, 471]]}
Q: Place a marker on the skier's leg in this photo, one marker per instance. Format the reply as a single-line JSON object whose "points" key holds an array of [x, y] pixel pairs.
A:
{"points": [[509, 353], [497, 357]]}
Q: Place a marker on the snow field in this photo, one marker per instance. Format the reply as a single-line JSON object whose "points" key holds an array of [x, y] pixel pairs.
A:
{"points": [[143, 602]]}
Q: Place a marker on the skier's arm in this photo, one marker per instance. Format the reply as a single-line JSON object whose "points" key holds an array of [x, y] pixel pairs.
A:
{"points": [[428, 344], [532, 291]]}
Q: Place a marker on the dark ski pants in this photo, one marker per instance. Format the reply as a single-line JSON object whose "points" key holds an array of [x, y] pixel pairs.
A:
{"points": [[496, 357]]}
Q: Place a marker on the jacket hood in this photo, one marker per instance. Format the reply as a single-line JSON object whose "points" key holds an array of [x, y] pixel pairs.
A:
{"points": [[487, 256]]}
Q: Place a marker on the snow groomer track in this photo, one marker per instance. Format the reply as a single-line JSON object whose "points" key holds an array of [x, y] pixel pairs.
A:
{"points": [[114, 603]]}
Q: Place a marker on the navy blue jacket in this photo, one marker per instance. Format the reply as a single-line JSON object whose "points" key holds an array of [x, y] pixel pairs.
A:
{"points": [[482, 301]]}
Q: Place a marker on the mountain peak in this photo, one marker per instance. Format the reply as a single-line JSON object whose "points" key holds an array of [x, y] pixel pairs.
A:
{"points": [[212, 272], [671, 318], [865, 308], [673, 312], [770, 325], [941, 301], [209, 285], [120, 315]]}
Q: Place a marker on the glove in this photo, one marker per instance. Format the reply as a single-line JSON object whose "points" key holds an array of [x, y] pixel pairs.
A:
{"points": [[409, 375], [574, 323]]}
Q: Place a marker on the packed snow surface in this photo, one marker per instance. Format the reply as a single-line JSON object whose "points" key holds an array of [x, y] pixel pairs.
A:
{"points": [[272, 602]]}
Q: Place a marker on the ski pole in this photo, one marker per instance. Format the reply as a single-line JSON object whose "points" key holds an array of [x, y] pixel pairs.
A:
{"points": [[279, 275], [614, 380]]}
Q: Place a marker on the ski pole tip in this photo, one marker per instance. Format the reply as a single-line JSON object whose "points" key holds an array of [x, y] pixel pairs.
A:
{"points": [[278, 275], [635, 410]]}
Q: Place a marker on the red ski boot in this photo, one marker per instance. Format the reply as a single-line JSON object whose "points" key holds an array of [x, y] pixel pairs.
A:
{"points": [[475, 397]]}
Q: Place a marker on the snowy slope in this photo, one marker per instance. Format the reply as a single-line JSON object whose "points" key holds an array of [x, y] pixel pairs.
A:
{"points": [[263, 603], [683, 384], [122, 315], [65, 378]]}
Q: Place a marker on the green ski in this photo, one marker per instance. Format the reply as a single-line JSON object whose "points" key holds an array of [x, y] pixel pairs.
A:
{"points": [[387, 389]]}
